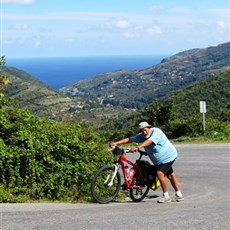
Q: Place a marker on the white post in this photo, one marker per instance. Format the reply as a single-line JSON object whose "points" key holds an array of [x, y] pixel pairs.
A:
{"points": [[203, 111], [204, 122]]}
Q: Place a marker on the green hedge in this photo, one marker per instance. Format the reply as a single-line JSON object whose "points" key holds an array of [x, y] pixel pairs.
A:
{"points": [[45, 159]]}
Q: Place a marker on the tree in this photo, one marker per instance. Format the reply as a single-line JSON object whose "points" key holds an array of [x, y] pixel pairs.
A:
{"points": [[159, 114], [224, 114], [3, 78]]}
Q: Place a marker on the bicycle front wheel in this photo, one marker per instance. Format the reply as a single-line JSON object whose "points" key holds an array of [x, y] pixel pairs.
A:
{"points": [[104, 188], [139, 193]]}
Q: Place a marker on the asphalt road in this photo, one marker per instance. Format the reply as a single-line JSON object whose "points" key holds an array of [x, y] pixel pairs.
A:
{"points": [[204, 175]]}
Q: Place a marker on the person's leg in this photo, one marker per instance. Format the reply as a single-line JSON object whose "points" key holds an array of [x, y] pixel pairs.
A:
{"points": [[162, 171], [174, 181], [162, 178]]}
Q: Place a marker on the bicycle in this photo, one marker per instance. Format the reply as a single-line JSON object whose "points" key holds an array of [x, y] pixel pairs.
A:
{"points": [[139, 178]]}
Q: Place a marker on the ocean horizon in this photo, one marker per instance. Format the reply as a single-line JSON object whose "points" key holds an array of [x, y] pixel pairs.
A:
{"points": [[58, 72]]}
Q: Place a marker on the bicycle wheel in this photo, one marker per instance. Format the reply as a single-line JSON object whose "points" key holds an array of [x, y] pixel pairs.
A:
{"points": [[138, 194], [102, 190]]}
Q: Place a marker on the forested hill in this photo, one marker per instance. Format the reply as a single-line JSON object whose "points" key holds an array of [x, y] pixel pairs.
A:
{"points": [[183, 106], [215, 91], [135, 89], [130, 89]]}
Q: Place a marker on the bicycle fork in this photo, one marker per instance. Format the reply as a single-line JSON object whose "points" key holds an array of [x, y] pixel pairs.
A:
{"points": [[113, 176]]}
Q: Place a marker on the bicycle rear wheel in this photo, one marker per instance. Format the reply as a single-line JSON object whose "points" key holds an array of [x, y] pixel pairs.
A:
{"points": [[102, 190], [138, 194]]}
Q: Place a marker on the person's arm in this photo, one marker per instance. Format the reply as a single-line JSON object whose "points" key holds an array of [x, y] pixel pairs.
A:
{"points": [[120, 142], [141, 145], [144, 144]]}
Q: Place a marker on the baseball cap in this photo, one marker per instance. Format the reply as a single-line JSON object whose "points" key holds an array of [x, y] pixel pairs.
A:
{"points": [[143, 125]]}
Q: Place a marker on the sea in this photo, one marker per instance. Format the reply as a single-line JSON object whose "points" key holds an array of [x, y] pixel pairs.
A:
{"points": [[57, 72]]}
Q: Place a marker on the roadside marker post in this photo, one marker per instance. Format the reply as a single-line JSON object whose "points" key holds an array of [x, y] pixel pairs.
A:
{"points": [[203, 111]]}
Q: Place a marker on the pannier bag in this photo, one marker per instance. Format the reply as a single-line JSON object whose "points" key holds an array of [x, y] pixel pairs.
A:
{"points": [[149, 173]]}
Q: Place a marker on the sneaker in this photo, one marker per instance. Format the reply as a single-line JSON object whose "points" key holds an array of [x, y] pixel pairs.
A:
{"points": [[177, 198], [164, 199]]}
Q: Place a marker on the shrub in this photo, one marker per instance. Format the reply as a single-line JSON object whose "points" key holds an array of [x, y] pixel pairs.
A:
{"points": [[45, 159]]}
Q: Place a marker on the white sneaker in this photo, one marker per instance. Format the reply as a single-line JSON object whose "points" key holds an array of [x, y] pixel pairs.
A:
{"points": [[177, 198], [164, 199]]}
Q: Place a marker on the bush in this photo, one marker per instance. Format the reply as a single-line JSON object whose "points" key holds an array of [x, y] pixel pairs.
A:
{"points": [[177, 128], [217, 130], [45, 159]]}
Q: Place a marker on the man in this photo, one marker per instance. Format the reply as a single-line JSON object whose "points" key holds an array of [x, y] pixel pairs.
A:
{"points": [[161, 152]]}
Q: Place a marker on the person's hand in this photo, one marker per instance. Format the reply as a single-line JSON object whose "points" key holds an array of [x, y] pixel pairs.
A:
{"points": [[133, 149], [112, 144]]}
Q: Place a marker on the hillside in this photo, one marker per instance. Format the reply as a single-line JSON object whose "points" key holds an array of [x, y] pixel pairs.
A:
{"points": [[181, 105], [135, 89], [100, 98], [215, 91], [35, 96]]}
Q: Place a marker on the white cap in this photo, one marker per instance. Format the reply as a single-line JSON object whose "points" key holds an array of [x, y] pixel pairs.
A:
{"points": [[143, 125]]}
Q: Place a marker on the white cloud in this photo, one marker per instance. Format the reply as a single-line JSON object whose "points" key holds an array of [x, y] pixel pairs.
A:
{"points": [[191, 27], [129, 35], [221, 24], [157, 9], [21, 26], [69, 40], [154, 30], [19, 1], [121, 23], [168, 9], [37, 43], [180, 10], [84, 16], [8, 41]]}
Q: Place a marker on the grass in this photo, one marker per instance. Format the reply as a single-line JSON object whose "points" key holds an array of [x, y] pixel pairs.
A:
{"points": [[199, 140]]}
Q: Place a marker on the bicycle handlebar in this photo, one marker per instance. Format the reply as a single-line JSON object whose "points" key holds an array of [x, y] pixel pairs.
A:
{"points": [[143, 152], [117, 151]]}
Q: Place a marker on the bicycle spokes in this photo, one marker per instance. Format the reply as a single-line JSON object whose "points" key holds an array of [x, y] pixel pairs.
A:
{"points": [[106, 184], [138, 192], [114, 173], [138, 189]]}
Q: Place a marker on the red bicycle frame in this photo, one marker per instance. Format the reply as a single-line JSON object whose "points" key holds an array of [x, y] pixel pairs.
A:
{"points": [[134, 168]]}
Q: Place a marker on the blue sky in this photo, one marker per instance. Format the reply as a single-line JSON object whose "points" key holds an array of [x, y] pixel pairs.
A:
{"points": [[44, 28]]}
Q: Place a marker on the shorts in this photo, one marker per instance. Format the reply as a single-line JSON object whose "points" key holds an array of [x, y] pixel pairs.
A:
{"points": [[166, 168]]}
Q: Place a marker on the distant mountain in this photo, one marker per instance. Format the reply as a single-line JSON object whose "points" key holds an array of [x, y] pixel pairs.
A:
{"points": [[137, 88], [105, 96]]}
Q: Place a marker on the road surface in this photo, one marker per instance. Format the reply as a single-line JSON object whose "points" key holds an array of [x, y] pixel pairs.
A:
{"points": [[204, 175]]}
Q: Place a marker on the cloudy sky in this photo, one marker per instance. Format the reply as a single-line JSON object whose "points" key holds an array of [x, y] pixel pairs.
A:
{"points": [[45, 28]]}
